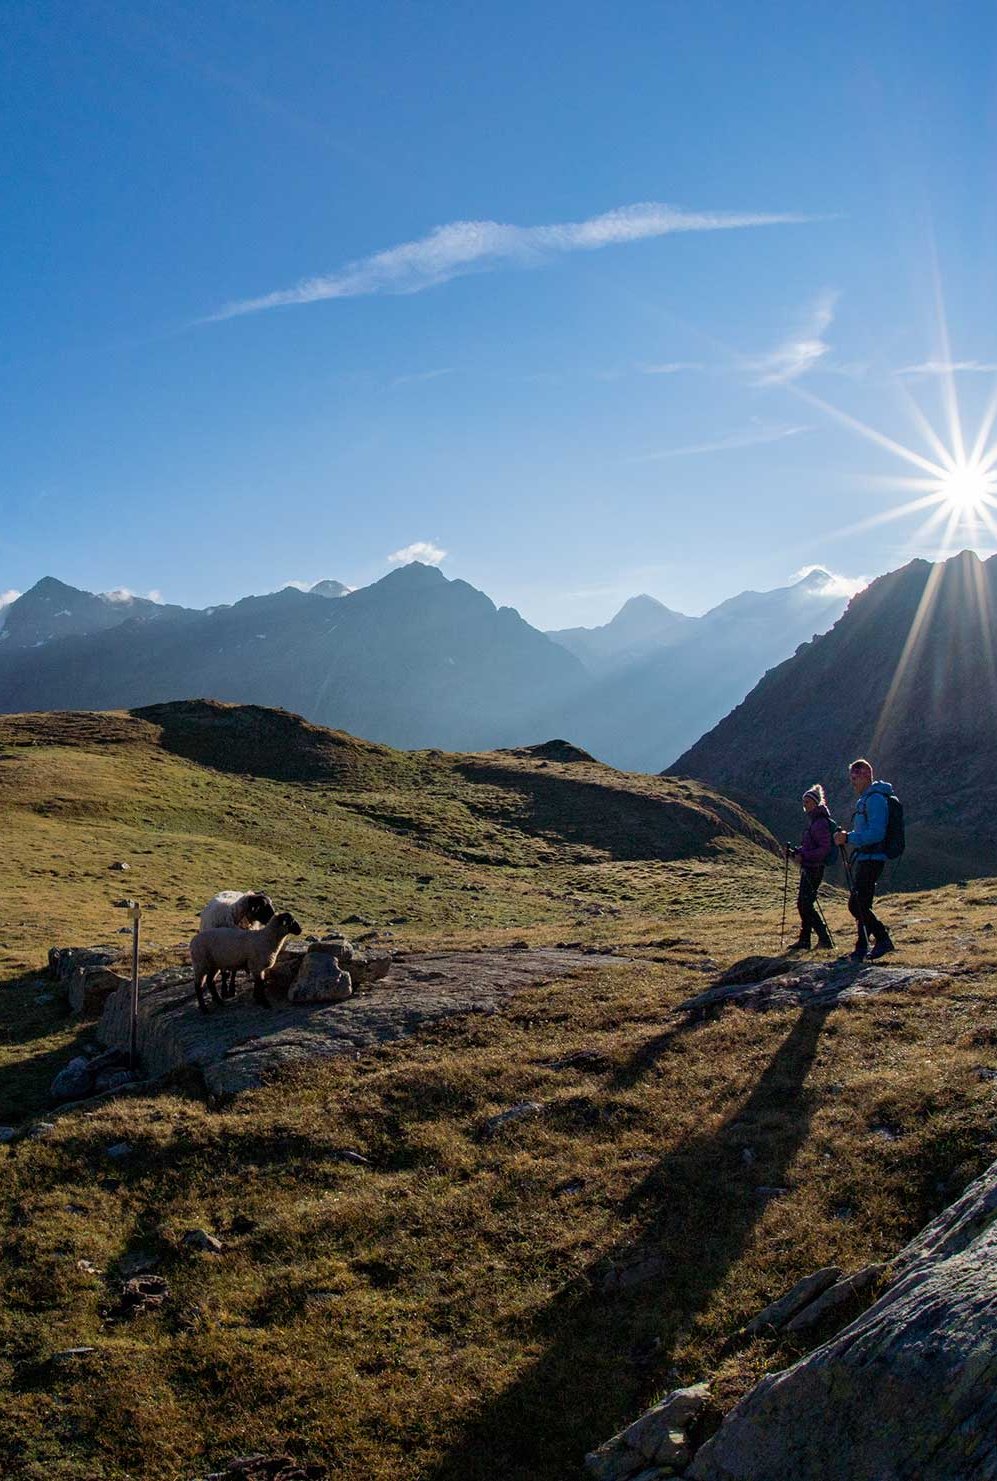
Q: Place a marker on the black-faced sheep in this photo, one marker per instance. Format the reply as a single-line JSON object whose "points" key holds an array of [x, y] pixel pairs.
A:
{"points": [[229, 949]]}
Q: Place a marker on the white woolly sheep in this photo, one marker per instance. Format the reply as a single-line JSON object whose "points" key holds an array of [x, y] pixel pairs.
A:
{"points": [[246, 908], [229, 948]]}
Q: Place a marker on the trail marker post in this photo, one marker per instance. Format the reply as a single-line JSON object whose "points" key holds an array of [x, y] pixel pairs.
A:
{"points": [[136, 915]]}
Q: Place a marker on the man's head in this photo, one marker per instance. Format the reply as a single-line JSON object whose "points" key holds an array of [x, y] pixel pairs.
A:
{"points": [[860, 775]]}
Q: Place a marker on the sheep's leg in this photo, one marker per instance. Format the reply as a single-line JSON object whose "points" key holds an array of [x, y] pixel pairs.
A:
{"points": [[228, 984], [199, 989], [260, 991], [210, 977]]}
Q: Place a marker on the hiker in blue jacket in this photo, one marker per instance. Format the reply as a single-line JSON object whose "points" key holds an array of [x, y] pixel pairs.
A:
{"points": [[867, 840]]}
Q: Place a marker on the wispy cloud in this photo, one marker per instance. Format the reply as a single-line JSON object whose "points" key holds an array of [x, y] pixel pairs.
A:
{"points": [[949, 367], [6, 597], [419, 376], [475, 246], [802, 350], [753, 436], [670, 367], [419, 550]]}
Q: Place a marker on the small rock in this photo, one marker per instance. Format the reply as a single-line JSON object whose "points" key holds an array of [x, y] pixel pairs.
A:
{"points": [[200, 1239], [802, 1294], [837, 1295], [120, 866], [583, 1059], [765, 1195], [748, 1156], [986, 1073], [658, 1438], [87, 1267], [41, 1130], [43, 998], [358, 920], [72, 1354], [142, 1293], [73, 1082], [355, 1157], [523, 1112], [119, 1151], [7, 1134]]}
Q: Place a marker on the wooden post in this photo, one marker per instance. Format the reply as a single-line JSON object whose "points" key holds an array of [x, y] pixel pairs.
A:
{"points": [[136, 914]]}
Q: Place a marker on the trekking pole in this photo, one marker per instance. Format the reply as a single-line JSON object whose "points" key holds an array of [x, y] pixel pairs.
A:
{"points": [[851, 890], [785, 897]]}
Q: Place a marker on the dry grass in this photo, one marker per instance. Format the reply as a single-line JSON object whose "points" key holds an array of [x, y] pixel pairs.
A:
{"points": [[439, 1313]]}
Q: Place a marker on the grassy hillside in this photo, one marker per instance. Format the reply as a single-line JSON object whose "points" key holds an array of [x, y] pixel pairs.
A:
{"points": [[443, 1311]]}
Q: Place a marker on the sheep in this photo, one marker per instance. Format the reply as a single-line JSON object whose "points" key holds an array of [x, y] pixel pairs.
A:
{"points": [[246, 908], [227, 948]]}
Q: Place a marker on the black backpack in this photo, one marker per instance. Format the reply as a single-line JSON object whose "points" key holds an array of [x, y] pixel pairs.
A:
{"points": [[832, 855], [894, 842]]}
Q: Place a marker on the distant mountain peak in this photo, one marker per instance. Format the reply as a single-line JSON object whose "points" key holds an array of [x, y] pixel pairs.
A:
{"points": [[329, 589], [415, 574]]}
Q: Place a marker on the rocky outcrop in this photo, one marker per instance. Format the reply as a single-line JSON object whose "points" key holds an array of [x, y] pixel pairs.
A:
{"points": [[242, 1044], [783, 982], [908, 1391]]}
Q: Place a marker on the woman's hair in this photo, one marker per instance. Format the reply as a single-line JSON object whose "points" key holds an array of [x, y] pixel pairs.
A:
{"points": [[817, 793]]}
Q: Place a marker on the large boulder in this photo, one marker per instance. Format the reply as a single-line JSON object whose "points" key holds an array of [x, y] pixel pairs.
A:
{"points": [[906, 1392], [320, 979], [84, 971]]}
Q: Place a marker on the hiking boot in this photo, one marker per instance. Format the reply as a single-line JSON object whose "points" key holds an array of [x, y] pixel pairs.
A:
{"points": [[824, 942], [858, 955], [881, 948], [803, 944]]}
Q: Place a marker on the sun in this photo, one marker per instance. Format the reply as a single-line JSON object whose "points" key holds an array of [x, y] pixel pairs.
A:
{"points": [[967, 489]]}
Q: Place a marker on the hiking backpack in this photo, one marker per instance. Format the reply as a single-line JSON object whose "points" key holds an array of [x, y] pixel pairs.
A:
{"points": [[894, 841]]}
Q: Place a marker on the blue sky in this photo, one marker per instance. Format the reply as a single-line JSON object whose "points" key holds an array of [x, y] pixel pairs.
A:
{"points": [[698, 227]]}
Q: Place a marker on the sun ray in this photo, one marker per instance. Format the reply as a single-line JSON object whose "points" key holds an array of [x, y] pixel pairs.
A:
{"points": [[950, 398], [917, 627], [871, 434], [927, 430]]}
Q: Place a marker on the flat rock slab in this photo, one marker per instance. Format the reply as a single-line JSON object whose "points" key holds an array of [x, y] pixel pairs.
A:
{"points": [[775, 983], [238, 1046]]}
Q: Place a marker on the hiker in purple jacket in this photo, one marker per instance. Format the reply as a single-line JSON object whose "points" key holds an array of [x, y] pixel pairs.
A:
{"points": [[815, 848]]}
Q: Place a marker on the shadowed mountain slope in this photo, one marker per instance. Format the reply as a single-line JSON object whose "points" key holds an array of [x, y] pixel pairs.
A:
{"points": [[907, 677], [413, 660]]}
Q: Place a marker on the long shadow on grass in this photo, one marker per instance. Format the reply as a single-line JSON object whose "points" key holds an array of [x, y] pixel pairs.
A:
{"points": [[695, 1211]]}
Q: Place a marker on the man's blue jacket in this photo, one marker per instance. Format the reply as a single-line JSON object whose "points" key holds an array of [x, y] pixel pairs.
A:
{"points": [[868, 831]]}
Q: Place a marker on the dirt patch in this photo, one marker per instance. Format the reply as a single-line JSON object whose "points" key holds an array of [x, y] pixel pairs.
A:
{"points": [[240, 1045]]}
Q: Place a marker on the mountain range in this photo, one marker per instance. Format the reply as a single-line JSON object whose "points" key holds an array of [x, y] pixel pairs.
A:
{"points": [[414, 660], [907, 677]]}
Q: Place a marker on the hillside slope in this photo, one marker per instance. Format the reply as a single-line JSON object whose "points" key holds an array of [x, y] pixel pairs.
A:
{"points": [[908, 677]]}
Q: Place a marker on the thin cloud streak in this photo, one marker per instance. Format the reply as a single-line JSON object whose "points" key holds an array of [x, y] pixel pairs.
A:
{"points": [[749, 437], [671, 367], [948, 367], [462, 247], [801, 352]]}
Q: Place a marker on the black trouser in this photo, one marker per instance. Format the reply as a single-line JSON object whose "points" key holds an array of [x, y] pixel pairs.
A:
{"points": [[865, 873], [810, 879]]}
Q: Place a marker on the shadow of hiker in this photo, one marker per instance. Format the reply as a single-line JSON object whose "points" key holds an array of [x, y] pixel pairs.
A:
{"points": [[697, 1208]]}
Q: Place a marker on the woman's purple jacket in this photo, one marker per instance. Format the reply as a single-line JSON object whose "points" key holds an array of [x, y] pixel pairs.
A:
{"points": [[817, 843]]}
